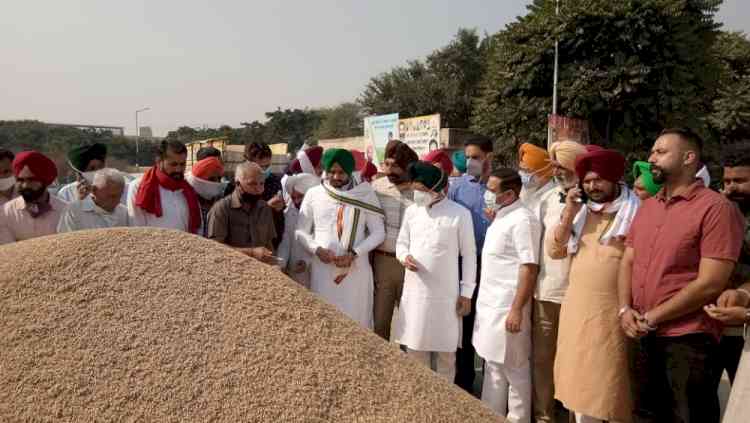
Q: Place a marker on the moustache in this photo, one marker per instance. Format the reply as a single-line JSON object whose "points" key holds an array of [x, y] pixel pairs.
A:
{"points": [[177, 176]]}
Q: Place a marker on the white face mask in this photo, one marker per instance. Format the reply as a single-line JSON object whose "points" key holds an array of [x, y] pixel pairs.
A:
{"points": [[208, 190], [474, 167], [422, 198], [7, 183], [527, 179]]}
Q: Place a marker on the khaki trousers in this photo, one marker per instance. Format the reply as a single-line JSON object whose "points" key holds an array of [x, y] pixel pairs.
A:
{"points": [[545, 321], [389, 281]]}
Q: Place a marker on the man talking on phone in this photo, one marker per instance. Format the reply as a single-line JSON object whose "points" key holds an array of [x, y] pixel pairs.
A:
{"points": [[84, 160], [593, 234]]}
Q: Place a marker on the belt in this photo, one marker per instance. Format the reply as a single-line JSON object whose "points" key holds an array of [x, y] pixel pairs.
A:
{"points": [[385, 253]]}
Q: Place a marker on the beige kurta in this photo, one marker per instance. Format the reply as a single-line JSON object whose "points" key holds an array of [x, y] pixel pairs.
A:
{"points": [[591, 367], [738, 408]]}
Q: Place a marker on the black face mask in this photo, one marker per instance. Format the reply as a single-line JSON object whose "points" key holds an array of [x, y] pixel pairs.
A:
{"points": [[250, 198], [742, 200], [29, 195]]}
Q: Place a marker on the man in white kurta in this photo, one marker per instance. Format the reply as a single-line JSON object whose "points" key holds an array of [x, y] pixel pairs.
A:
{"points": [[101, 209], [296, 260], [340, 223], [435, 231], [502, 329]]}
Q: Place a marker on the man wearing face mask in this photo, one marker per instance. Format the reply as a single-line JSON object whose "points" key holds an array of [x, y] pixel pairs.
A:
{"points": [[162, 197], [34, 212], [340, 223], [296, 259], [536, 175], [101, 209], [434, 233], [260, 154], [593, 233], [7, 180], [243, 220], [395, 195], [468, 191], [84, 160], [205, 178], [502, 329], [552, 282]]}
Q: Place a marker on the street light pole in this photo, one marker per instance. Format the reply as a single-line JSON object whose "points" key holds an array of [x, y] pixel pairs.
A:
{"points": [[554, 83], [138, 134]]}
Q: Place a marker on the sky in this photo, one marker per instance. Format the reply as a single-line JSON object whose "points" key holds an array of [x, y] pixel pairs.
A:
{"points": [[199, 63]]}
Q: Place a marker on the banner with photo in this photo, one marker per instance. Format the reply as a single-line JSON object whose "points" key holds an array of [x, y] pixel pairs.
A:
{"points": [[421, 133], [560, 128], [378, 131]]}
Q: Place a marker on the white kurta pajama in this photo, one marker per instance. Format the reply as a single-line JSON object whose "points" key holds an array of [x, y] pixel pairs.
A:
{"points": [[291, 251], [362, 232], [512, 240], [176, 214], [427, 320]]}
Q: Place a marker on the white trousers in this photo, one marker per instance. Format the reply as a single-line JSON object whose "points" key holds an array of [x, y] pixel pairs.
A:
{"points": [[582, 418], [508, 389], [445, 362]]}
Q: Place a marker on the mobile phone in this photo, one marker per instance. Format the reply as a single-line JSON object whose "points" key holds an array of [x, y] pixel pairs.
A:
{"points": [[584, 196]]}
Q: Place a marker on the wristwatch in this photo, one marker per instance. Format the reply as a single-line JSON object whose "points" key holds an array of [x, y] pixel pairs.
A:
{"points": [[623, 310]]}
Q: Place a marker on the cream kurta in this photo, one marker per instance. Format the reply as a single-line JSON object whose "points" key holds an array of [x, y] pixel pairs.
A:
{"points": [[591, 367], [512, 240], [738, 408], [316, 227], [435, 237], [16, 224]]}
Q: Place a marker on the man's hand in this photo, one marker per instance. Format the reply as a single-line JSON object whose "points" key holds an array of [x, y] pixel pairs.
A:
{"points": [[633, 324], [344, 261], [513, 321], [276, 203], [410, 263], [262, 254], [733, 298], [300, 267], [573, 200], [83, 188], [325, 255], [463, 306], [490, 213], [735, 315]]}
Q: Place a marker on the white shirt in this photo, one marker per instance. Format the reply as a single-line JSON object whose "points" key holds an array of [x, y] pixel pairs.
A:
{"points": [[435, 237], [553, 274], [175, 212], [512, 240], [291, 250], [533, 198], [85, 214]]}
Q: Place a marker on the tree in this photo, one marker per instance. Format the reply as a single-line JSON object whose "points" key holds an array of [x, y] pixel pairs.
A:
{"points": [[730, 115], [291, 126], [630, 68], [344, 120], [444, 83]]}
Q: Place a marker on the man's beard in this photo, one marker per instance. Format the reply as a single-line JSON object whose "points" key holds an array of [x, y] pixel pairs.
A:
{"points": [[396, 179], [742, 200], [30, 195], [602, 197], [338, 183], [659, 175], [177, 176]]}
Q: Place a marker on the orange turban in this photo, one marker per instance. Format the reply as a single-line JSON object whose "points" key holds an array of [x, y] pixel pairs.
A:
{"points": [[205, 168], [535, 160]]}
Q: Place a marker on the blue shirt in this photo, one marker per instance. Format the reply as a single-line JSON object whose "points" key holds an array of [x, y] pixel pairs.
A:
{"points": [[469, 192]]}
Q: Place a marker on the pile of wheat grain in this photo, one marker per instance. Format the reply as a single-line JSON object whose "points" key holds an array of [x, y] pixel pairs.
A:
{"points": [[155, 325]]}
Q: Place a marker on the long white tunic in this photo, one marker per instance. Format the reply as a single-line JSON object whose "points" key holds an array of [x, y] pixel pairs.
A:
{"points": [[291, 250], [175, 212], [316, 227], [435, 237], [512, 240]]}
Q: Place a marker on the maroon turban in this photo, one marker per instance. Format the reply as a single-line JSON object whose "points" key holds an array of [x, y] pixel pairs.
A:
{"points": [[608, 164], [294, 167], [401, 153], [44, 169], [441, 158], [314, 154]]}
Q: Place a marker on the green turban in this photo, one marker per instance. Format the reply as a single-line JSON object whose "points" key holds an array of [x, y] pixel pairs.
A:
{"points": [[80, 157], [429, 175], [643, 170], [344, 158], [459, 160]]}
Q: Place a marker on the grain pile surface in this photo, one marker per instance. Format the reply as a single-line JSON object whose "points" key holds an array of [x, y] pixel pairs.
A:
{"points": [[156, 325]]}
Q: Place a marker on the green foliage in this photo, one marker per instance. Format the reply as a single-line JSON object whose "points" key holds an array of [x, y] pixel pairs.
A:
{"points": [[445, 83], [629, 67], [344, 120]]}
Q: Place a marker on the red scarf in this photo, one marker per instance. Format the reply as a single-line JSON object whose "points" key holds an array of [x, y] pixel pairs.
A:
{"points": [[148, 197]]}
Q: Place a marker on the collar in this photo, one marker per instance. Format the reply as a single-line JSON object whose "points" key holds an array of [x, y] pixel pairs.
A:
{"points": [[509, 209], [88, 204], [685, 193]]}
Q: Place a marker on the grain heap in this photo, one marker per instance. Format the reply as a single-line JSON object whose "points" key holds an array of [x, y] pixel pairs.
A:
{"points": [[156, 325]]}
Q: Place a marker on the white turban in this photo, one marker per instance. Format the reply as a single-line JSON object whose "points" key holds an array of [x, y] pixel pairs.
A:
{"points": [[301, 182]]}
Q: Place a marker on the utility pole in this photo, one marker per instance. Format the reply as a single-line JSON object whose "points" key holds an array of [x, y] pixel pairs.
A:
{"points": [[138, 134], [557, 52]]}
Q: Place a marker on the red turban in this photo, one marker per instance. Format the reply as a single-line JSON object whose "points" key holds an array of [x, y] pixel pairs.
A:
{"points": [[44, 169], [440, 158], [608, 164], [593, 147], [294, 167], [314, 154], [369, 172], [206, 167]]}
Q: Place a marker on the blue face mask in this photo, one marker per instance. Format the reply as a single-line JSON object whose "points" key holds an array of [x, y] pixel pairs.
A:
{"points": [[267, 172]]}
